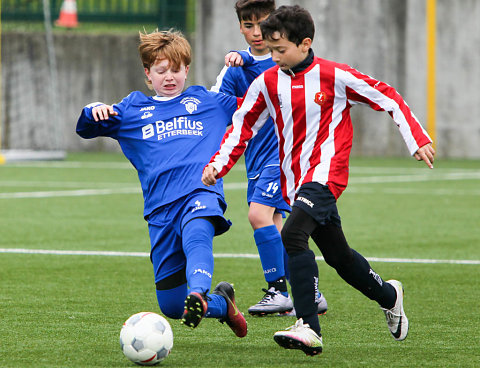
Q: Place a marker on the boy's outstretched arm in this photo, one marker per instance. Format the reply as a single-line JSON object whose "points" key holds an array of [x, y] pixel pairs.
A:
{"points": [[209, 175], [233, 58], [103, 112], [426, 153], [98, 119]]}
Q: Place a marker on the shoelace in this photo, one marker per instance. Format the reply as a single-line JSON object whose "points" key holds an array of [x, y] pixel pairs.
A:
{"points": [[267, 297], [297, 326], [205, 296], [389, 313]]}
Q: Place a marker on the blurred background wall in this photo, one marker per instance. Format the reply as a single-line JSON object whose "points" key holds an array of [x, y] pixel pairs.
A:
{"points": [[383, 38]]}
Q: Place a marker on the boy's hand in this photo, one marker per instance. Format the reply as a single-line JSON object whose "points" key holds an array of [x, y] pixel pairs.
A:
{"points": [[102, 112], [426, 154], [209, 175], [233, 59]]}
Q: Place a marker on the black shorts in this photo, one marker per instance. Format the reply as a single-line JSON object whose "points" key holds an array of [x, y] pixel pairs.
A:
{"points": [[319, 202]]}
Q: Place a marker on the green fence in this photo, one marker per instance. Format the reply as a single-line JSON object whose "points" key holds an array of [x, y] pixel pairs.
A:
{"points": [[164, 13]]}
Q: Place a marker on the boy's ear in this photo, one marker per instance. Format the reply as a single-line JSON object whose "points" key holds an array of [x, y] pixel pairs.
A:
{"points": [[147, 73], [306, 44]]}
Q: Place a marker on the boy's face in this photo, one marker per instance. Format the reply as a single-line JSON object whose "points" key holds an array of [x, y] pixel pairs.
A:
{"points": [[253, 35], [286, 53], [166, 80]]}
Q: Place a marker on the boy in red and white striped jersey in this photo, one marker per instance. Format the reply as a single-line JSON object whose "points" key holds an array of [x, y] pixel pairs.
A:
{"points": [[309, 99]]}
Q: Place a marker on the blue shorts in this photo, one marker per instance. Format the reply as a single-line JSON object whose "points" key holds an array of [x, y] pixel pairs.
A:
{"points": [[166, 223], [265, 189]]}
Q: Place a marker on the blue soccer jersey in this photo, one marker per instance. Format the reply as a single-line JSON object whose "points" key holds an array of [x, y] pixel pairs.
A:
{"points": [[168, 140], [262, 150]]}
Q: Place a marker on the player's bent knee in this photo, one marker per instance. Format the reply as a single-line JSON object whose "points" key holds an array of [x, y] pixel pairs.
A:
{"points": [[294, 239], [172, 309], [171, 294]]}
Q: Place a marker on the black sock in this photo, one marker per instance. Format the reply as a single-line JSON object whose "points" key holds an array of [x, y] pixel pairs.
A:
{"points": [[304, 284], [362, 277], [280, 284]]}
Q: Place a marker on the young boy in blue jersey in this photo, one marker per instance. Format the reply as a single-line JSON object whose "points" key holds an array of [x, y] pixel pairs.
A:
{"points": [[266, 205], [169, 138]]}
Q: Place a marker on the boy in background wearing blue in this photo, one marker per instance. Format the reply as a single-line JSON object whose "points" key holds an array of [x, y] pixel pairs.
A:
{"points": [[309, 99], [264, 196], [169, 138]]}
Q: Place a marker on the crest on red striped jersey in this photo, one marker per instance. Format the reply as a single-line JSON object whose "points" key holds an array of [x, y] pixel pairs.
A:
{"points": [[320, 98]]}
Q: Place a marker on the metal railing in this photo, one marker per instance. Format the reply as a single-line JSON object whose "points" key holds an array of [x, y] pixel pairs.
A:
{"points": [[164, 13]]}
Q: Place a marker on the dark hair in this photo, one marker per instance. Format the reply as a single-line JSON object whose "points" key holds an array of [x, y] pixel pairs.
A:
{"points": [[250, 9], [293, 22]]}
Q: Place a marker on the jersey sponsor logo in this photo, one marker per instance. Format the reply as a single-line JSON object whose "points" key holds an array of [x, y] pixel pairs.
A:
{"points": [[190, 104], [320, 98], [180, 126], [146, 115], [306, 201], [297, 86]]}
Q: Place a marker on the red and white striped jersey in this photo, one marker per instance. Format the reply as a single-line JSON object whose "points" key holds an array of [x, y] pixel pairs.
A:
{"points": [[311, 111]]}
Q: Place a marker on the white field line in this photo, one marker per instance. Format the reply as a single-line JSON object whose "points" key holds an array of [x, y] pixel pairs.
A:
{"points": [[352, 188], [86, 165], [239, 166], [69, 193], [222, 255]]}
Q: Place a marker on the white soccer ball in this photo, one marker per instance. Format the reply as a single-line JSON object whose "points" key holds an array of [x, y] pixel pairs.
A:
{"points": [[146, 338]]}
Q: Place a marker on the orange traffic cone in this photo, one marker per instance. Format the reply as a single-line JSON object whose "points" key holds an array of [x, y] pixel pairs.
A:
{"points": [[68, 14]]}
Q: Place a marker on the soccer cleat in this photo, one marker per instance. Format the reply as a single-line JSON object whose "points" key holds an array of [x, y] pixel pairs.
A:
{"points": [[322, 307], [195, 309], [396, 318], [300, 336], [234, 318], [272, 302]]}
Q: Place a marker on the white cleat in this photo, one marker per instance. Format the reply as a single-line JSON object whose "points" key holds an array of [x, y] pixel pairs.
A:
{"points": [[322, 307], [396, 318], [300, 336], [272, 302]]}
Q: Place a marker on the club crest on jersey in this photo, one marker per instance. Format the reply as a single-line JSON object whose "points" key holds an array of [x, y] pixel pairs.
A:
{"points": [[320, 98], [190, 104]]}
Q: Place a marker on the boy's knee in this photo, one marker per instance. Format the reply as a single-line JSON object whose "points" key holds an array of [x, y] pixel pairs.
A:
{"points": [[294, 239], [340, 259], [260, 217], [171, 310]]}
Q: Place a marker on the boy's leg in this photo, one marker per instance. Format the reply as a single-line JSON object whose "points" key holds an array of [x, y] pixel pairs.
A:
{"points": [[356, 270], [202, 220], [352, 266], [302, 265], [171, 299], [197, 240], [263, 196]]}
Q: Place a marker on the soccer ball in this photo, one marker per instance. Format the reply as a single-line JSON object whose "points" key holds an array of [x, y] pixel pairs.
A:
{"points": [[146, 338]]}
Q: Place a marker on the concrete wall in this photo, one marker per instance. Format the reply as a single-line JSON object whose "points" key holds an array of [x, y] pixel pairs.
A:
{"points": [[382, 38], [385, 39]]}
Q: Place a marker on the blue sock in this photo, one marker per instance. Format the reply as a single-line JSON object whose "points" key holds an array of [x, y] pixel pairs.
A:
{"points": [[197, 238], [271, 251], [217, 306], [172, 301]]}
